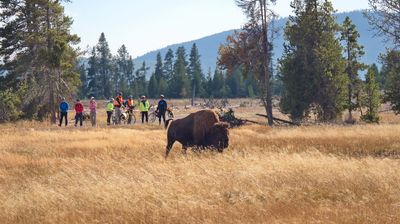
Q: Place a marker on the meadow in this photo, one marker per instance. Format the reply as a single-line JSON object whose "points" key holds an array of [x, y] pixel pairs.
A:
{"points": [[308, 174]]}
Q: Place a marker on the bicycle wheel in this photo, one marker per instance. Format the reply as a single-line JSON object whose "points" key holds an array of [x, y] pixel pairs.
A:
{"points": [[132, 120], [170, 115], [152, 117], [123, 118]]}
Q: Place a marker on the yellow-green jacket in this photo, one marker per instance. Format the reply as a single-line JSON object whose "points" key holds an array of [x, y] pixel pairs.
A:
{"points": [[144, 106], [110, 106]]}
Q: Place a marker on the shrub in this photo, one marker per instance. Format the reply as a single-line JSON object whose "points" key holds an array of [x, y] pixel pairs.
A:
{"points": [[9, 103]]}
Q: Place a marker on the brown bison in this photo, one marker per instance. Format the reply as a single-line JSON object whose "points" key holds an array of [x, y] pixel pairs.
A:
{"points": [[200, 129]]}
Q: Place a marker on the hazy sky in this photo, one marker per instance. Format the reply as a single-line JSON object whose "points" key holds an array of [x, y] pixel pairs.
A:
{"points": [[144, 25]]}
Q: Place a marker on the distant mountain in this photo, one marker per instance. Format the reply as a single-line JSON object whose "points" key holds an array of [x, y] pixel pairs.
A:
{"points": [[208, 46]]}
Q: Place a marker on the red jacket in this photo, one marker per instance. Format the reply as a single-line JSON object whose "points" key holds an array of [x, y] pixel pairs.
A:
{"points": [[78, 108]]}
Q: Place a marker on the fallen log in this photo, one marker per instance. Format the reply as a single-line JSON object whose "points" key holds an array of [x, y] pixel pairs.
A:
{"points": [[253, 122], [279, 120]]}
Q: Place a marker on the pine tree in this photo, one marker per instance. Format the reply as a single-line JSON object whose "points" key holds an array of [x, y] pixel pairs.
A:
{"points": [[218, 84], [162, 86], [380, 75], [93, 75], [179, 84], [84, 82], [104, 67], [153, 87], [159, 72], [312, 66], [140, 84], [168, 65], [354, 52], [37, 54], [371, 98], [209, 84], [391, 62], [195, 73], [124, 71]]}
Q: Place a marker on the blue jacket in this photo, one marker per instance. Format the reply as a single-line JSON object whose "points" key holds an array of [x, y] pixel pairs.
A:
{"points": [[64, 107], [162, 105]]}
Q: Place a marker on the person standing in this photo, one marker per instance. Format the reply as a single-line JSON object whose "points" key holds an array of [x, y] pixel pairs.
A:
{"points": [[93, 111], [64, 107], [144, 107], [109, 109], [161, 109], [118, 103], [130, 104], [79, 112]]}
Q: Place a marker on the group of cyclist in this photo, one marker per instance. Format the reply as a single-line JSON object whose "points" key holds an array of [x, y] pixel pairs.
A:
{"points": [[115, 106]]}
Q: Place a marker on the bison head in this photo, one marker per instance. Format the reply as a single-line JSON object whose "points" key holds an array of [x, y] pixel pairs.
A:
{"points": [[219, 136]]}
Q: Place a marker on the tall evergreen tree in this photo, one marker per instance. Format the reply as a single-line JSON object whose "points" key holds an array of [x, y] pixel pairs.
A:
{"points": [[312, 66], [124, 71], [220, 89], [195, 73], [37, 54], [179, 84], [159, 70], [84, 82], [391, 62], [104, 67], [208, 86], [371, 97], [168, 65], [93, 75], [153, 86], [140, 84], [354, 51], [380, 75]]}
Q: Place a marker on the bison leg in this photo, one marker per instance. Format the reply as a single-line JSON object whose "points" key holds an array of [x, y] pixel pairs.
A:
{"points": [[169, 147], [185, 147]]}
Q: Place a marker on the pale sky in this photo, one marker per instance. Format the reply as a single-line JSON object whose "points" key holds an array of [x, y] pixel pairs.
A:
{"points": [[144, 25]]}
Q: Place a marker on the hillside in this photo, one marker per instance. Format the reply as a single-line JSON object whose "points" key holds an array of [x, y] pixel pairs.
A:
{"points": [[208, 46]]}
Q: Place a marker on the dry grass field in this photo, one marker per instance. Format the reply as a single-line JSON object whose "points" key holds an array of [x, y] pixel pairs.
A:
{"points": [[313, 174]]}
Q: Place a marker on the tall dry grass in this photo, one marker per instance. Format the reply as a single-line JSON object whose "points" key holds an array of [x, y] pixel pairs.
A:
{"points": [[320, 174]]}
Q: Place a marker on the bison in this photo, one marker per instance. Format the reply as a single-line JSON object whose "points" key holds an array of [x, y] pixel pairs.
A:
{"points": [[200, 129]]}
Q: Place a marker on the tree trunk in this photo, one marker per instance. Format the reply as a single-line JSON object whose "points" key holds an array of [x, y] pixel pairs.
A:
{"points": [[52, 106], [350, 104], [349, 73], [193, 94], [267, 98]]}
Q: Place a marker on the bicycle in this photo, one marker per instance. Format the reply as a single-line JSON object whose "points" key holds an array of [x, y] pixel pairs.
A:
{"points": [[126, 117], [154, 115]]}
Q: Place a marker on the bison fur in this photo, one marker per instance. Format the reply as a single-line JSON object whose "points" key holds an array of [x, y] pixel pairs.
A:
{"points": [[201, 129]]}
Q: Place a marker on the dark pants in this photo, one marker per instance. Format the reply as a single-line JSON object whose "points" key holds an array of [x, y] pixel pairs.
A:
{"points": [[80, 118], [145, 114], [109, 114], [161, 114], [64, 115], [130, 114]]}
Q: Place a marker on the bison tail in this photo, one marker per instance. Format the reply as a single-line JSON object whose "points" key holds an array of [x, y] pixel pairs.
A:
{"points": [[167, 122]]}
